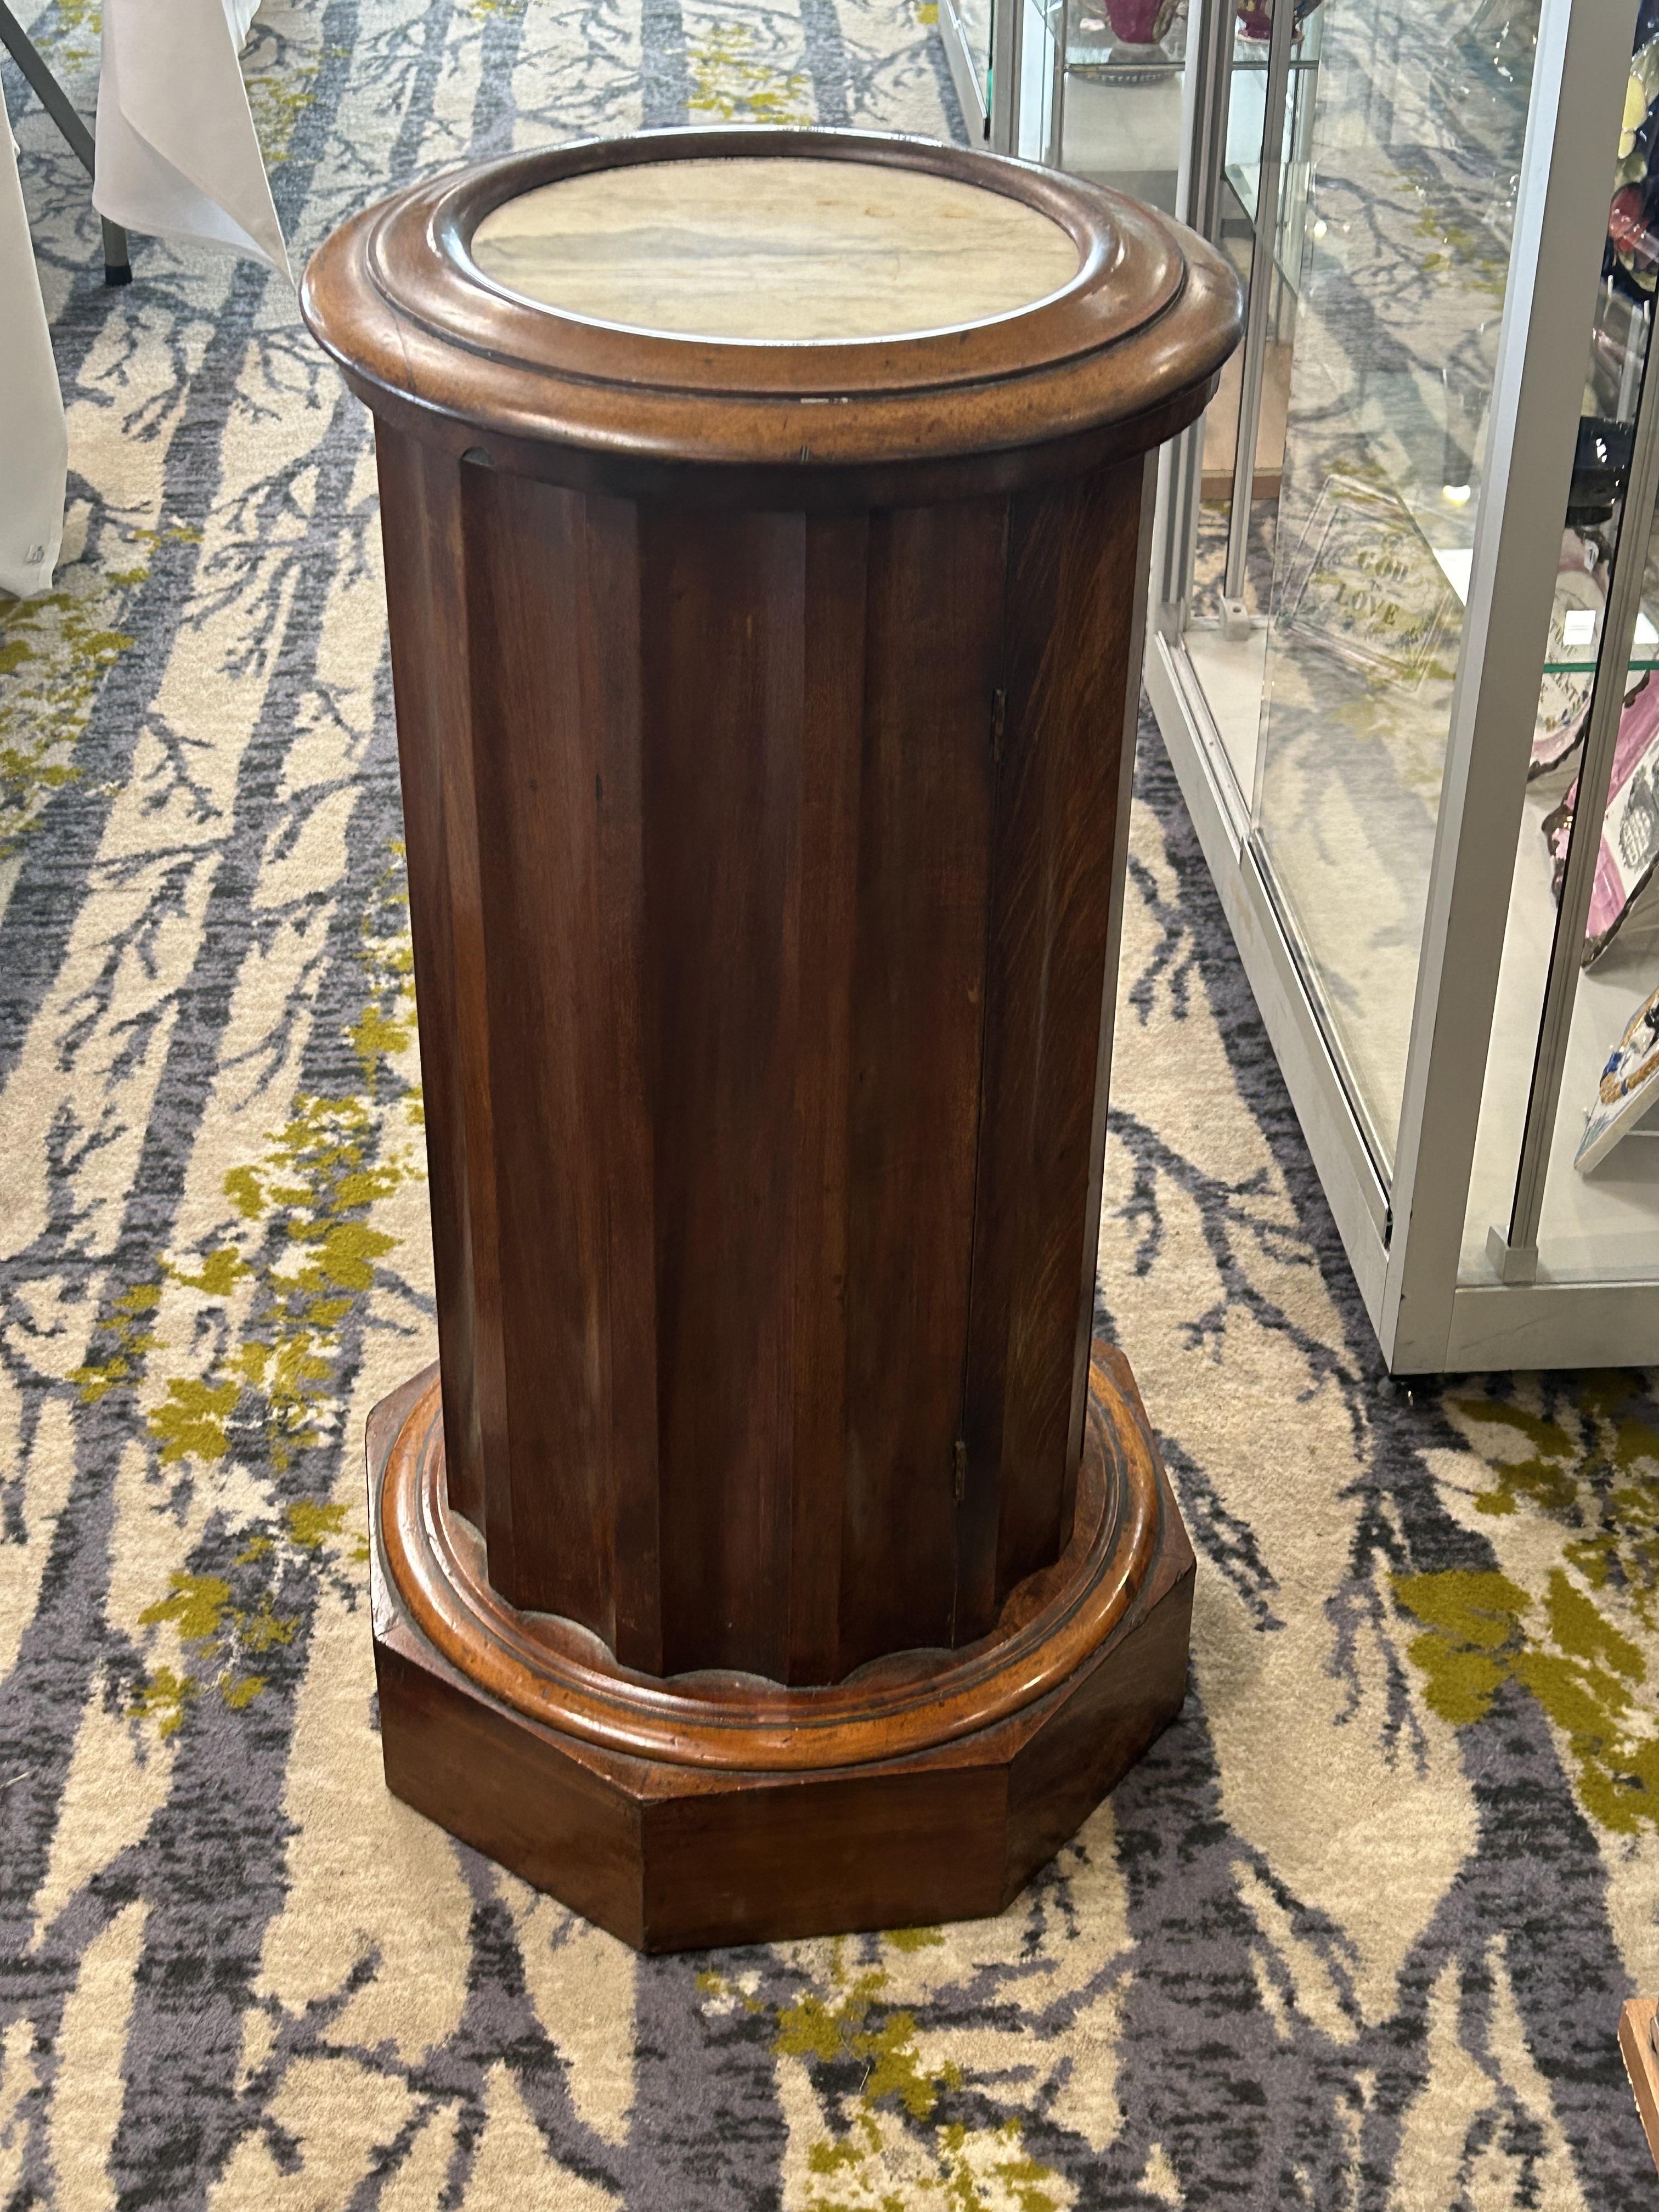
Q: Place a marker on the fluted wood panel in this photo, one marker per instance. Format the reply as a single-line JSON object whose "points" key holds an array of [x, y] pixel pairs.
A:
{"points": [[934, 647], [420, 519], [761, 864], [1073, 628]]}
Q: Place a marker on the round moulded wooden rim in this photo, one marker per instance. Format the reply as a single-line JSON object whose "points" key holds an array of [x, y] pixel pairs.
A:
{"points": [[904, 1705], [1137, 337], [1129, 270]]}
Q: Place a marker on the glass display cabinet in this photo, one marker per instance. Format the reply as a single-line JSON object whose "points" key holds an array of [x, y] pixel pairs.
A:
{"points": [[965, 30], [1406, 616]]}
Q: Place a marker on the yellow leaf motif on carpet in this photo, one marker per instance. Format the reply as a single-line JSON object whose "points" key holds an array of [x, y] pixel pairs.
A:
{"points": [[199, 1606], [732, 82], [55, 650], [277, 1285], [1591, 1468], [889, 2141], [281, 85], [309, 1254], [130, 1338], [1478, 1633]]}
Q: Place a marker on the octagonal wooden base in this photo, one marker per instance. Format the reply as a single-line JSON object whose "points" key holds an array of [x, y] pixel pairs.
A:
{"points": [[724, 1809]]}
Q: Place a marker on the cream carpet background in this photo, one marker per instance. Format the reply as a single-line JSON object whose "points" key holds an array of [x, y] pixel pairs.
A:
{"points": [[1356, 1934]]}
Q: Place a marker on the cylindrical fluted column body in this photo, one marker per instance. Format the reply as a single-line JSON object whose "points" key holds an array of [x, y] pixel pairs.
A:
{"points": [[764, 519], [761, 875]]}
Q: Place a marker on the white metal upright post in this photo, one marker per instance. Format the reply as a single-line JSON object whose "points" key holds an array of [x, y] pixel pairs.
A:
{"points": [[1205, 91], [1263, 268], [1515, 1254], [1579, 76]]}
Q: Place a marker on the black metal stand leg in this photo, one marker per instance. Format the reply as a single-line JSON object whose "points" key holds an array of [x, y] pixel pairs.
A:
{"points": [[118, 268]]}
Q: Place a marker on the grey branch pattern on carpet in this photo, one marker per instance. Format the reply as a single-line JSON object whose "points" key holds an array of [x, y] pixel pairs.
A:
{"points": [[1354, 1935]]}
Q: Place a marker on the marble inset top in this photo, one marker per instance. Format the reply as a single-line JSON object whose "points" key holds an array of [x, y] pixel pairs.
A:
{"points": [[776, 249]]}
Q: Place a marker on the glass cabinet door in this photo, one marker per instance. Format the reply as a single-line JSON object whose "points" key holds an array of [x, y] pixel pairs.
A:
{"points": [[1115, 105], [969, 30], [1565, 1184], [1413, 166], [1233, 569], [1101, 96], [1356, 558], [972, 19]]}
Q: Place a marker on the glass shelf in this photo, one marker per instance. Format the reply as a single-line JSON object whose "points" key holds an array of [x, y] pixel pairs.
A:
{"points": [[1096, 52], [1100, 65], [1575, 642], [1095, 49]]}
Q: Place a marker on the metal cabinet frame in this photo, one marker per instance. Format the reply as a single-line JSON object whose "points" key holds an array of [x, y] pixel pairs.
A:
{"points": [[991, 123], [1403, 1237]]}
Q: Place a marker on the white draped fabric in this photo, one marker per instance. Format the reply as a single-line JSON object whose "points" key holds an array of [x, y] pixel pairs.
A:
{"points": [[33, 446], [177, 157], [177, 154]]}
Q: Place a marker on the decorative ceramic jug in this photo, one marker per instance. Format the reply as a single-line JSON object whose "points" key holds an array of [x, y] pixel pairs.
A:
{"points": [[1139, 22]]}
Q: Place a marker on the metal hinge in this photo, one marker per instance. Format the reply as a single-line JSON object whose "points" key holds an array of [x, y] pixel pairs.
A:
{"points": [[999, 716], [959, 1471]]}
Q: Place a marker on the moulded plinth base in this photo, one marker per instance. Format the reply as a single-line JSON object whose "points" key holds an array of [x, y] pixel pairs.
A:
{"points": [[720, 1808]]}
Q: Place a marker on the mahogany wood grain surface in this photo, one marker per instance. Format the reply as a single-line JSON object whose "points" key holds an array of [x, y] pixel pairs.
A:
{"points": [[1118, 359], [553, 1671], [1073, 623], [765, 722], [783, 928], [677, 1852]]}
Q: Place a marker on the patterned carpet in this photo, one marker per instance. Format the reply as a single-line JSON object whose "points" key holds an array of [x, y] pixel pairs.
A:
{"points": [[1355, 1935]]}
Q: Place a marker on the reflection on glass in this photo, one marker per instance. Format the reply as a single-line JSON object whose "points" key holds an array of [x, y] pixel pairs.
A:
{"points": [[1113, 113], [1600, 1216], [1600, 1203], [971, 20], [1118, 117], [1414, 155], [1230, 651]]}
